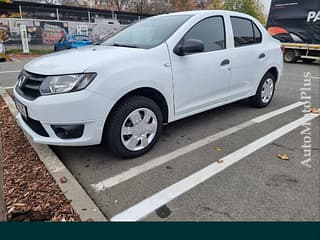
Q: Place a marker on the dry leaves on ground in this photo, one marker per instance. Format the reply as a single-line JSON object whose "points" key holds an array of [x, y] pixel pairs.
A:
{"points": [[218, 149], [31, 194], [283, 157], [220, 161], [314, 110]]}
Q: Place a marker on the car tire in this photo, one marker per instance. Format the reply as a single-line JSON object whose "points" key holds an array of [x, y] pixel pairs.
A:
{"points": [[129, 128], [265, 92], [290, 56]]}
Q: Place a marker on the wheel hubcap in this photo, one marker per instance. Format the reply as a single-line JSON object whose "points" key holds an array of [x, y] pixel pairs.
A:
{"points": [[267, 90], [139, 129], [289, 56]]}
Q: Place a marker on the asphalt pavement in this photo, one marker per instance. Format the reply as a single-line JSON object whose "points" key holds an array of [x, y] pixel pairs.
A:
{"points": [[221, 165]]}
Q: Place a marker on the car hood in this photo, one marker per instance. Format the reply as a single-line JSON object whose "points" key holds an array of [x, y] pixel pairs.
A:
{"points": [[79, 60]]}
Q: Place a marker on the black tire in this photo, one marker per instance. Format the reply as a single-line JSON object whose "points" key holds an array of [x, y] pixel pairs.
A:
{"points": [[112, 133], [290, 56], [256, 100]]}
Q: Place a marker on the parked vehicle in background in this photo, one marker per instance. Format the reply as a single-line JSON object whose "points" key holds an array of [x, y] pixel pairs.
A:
{"points": [[156, 71], [2, 52], [297, 25], [69, 41]]}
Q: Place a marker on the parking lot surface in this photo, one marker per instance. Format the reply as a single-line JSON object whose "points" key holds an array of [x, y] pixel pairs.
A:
{"points": [[221, 165]]}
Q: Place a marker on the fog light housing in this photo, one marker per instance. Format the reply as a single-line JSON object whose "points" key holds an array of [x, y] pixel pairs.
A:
{"points": [[68, 131]]}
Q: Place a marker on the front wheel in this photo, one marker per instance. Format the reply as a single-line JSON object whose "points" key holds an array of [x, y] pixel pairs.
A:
{"points": [[265, 92], [134, 127]]}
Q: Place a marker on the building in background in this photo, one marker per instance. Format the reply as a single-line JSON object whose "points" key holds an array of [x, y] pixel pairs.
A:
{"points": [[47, 23]]}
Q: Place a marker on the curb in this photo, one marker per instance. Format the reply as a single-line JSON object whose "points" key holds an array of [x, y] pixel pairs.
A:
{"points": [[80, 200]]}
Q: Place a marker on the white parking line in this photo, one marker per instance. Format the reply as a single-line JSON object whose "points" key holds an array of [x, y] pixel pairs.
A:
{"points": [[15, 60], [6, 88], [132, 172], [147, 206], [272, 114], [14, 71]]}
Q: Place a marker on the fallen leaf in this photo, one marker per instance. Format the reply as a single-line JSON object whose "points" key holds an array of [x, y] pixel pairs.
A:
{"points": [[219, 161], [63, 180], [11, 210], [4, 107], [283, 157], [20, 204], [314, 110], [10, 191], [218, 149]]}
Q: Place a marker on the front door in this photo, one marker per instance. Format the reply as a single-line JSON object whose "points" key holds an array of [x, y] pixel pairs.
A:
{"points": [[202, 80]]}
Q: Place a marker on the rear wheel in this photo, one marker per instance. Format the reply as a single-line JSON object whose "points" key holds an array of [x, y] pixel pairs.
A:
{"points": [[134, 127], [265, 92], [290, 56]]}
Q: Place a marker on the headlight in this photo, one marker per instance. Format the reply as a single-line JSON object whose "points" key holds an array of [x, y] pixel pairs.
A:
{"points": [[66, 83]]}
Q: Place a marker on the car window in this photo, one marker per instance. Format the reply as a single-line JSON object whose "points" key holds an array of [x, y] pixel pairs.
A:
{"points": [[211, 32], [257, 33], [62, 39], [69, 38], [242, 31], [81, 38]]}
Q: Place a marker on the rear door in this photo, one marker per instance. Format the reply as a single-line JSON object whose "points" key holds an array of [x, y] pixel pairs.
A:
{"points": [[248, 57], [202, 80]]}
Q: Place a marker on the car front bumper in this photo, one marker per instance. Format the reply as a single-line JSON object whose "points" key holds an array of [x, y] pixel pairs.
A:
{"points": [[70, 109]]}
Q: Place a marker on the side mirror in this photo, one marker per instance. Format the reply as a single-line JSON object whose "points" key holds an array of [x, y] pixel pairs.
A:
{"points": [[188, 47]]}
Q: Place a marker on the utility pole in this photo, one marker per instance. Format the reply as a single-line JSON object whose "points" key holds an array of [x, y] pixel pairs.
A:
{"points": [[2, 203]]}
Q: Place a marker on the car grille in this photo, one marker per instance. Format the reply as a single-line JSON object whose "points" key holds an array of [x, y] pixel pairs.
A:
{"points": [[29, 85], [35, 126]]}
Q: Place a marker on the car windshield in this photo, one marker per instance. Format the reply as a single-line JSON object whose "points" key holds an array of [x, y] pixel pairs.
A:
{"points": [[148, 33], [81, 38]]}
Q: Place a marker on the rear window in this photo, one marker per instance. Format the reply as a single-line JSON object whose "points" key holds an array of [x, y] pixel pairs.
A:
{"points": [[245, 32], [257, 33]]}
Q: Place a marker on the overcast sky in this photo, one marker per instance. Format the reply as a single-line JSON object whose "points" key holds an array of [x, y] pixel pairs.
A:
{"points": [[266, 4]]}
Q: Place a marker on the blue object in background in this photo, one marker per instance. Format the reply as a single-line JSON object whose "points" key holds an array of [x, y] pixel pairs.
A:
{"points": [[72, 41]]}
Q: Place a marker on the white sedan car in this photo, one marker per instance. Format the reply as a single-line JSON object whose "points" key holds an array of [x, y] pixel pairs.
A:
{"points": [[155, 71]]}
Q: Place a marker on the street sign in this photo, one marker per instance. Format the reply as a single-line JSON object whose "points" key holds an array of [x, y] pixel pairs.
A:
{"points": [[24, 38]]}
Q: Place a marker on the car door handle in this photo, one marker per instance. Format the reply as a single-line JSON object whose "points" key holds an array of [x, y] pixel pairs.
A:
{"points": [[262, 55], [225, 62]]}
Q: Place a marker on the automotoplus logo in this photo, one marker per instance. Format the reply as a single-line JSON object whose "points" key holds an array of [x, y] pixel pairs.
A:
{"points": [[305, 96]]}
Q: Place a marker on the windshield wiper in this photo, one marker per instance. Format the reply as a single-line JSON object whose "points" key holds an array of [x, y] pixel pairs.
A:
{"points": [[128, 45]]}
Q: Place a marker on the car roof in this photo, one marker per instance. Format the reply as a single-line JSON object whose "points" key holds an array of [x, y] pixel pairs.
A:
{"points": [[77, 35], [210, 13]]}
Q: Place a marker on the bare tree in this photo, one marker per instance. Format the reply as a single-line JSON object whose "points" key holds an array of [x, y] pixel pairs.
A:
{"points": [[119, 4], [160, 6], [184, 5]]}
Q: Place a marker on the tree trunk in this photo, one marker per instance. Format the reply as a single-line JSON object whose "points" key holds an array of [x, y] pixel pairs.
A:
{"points": [[2, 203]]}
